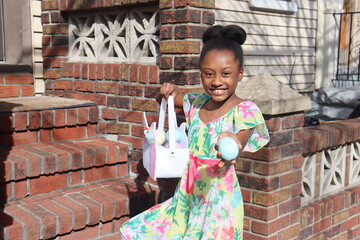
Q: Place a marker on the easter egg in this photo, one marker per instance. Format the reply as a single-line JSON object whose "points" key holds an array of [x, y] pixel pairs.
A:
{"points": [[178, 135], [160, 136], [149, 136], [228, 148]]}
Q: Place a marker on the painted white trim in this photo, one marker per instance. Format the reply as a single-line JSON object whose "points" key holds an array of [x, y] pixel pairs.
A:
{"points": [[277, 6]]}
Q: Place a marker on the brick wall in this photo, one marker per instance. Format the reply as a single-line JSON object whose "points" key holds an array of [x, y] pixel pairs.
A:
{"points": [[16, 85], [124, 91]]}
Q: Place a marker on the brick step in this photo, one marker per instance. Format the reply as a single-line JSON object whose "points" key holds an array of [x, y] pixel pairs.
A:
{"points": [[26, 120], [94, 211], [36, 168]]}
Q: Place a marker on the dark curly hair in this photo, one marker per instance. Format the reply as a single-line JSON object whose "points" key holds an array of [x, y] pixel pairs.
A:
{"points": [[229, 37]]}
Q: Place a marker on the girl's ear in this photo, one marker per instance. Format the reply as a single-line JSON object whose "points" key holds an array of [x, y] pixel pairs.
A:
{"points": [[241, 74]]}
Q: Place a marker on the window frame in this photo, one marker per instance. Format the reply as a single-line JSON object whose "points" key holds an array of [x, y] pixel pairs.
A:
{"points": [[17, 42]]}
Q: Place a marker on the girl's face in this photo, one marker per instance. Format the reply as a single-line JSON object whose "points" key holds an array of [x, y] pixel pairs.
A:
{"points": [[220, 73]]}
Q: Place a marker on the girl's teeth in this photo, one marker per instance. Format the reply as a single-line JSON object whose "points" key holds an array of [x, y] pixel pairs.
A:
{"points": [[218, 91]]}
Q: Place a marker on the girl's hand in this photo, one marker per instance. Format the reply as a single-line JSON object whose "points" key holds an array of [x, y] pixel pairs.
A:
{"points": [[233, 136], [168, 89]]}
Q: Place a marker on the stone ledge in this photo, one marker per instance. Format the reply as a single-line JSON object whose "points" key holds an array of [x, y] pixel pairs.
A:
{"points": [[272, 96], [331, 134]]}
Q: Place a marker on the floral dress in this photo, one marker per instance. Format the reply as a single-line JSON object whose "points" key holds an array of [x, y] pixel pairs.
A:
{"points": [[207, 203]]}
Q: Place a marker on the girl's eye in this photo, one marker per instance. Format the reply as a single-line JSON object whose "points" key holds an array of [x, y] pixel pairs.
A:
{"points": [[209, 74], [226, 74]]}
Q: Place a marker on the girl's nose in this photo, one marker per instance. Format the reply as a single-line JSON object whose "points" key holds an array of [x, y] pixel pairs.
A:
{"points": [[217, 80]]}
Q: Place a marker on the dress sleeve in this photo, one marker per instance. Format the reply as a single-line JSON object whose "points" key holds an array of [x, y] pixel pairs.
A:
{"points": [[249, 116]]}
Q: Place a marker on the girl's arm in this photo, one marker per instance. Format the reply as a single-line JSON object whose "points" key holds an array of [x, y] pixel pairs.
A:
{"points": [[241, 139], [168, 89]]}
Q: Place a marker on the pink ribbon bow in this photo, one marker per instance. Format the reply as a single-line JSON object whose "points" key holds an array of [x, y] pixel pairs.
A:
{"points": [[195, 162]]}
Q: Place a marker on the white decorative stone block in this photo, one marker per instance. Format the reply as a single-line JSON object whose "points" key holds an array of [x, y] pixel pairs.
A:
{"points": [[308, 179], [332, 176], [354, 170], [129, 35]]}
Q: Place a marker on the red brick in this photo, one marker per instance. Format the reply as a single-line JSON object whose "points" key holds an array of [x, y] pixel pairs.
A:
{"points": [[85, 71], [119, 201], [189, 31], [77, 158], [33, 161], [92, 71], [83, 115], [92, 130], [71, 116], [154, 74], [19, 79], [270, 227], [134, 72], [108, 70], [260, 212], [289, 233], [47, 118], [9, 91], [107, 205], [125, 72], [49, 183], [349, 224], [20, 120], [63, 84], [20, 189], [46, 40], [144, 74], [180, 16], [93, 207], [100, 71], [109, 113], [84, 86], [65, 216], [79, 211], [96, 174], [134, 141], [87, 152], [67, 69], [290, 178], [116, 74], [130, 90], [106, 87], [259, 183], [77, 70], [48, 226], [293, 121], [20, 167], [167, 32], [31, 223], [27, 90], [59, 118], [208, 17], [48, 51], [18, 138]]}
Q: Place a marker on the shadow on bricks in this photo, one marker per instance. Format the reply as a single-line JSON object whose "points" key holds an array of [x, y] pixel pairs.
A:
{"points": [[6, 125]]}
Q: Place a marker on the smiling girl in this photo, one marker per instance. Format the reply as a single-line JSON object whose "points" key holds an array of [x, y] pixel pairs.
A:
{"points": [[207, 203]]}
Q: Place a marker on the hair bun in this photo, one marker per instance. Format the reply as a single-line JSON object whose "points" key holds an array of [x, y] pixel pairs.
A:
{"points": [[232, 32]]}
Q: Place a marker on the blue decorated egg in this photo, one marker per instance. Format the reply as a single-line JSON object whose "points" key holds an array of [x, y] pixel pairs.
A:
{"points": [[178, 135], [228, 148]]}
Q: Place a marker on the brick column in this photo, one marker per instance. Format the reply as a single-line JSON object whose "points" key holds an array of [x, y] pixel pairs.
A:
{"points": [[270, 180], [182, 26]]}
